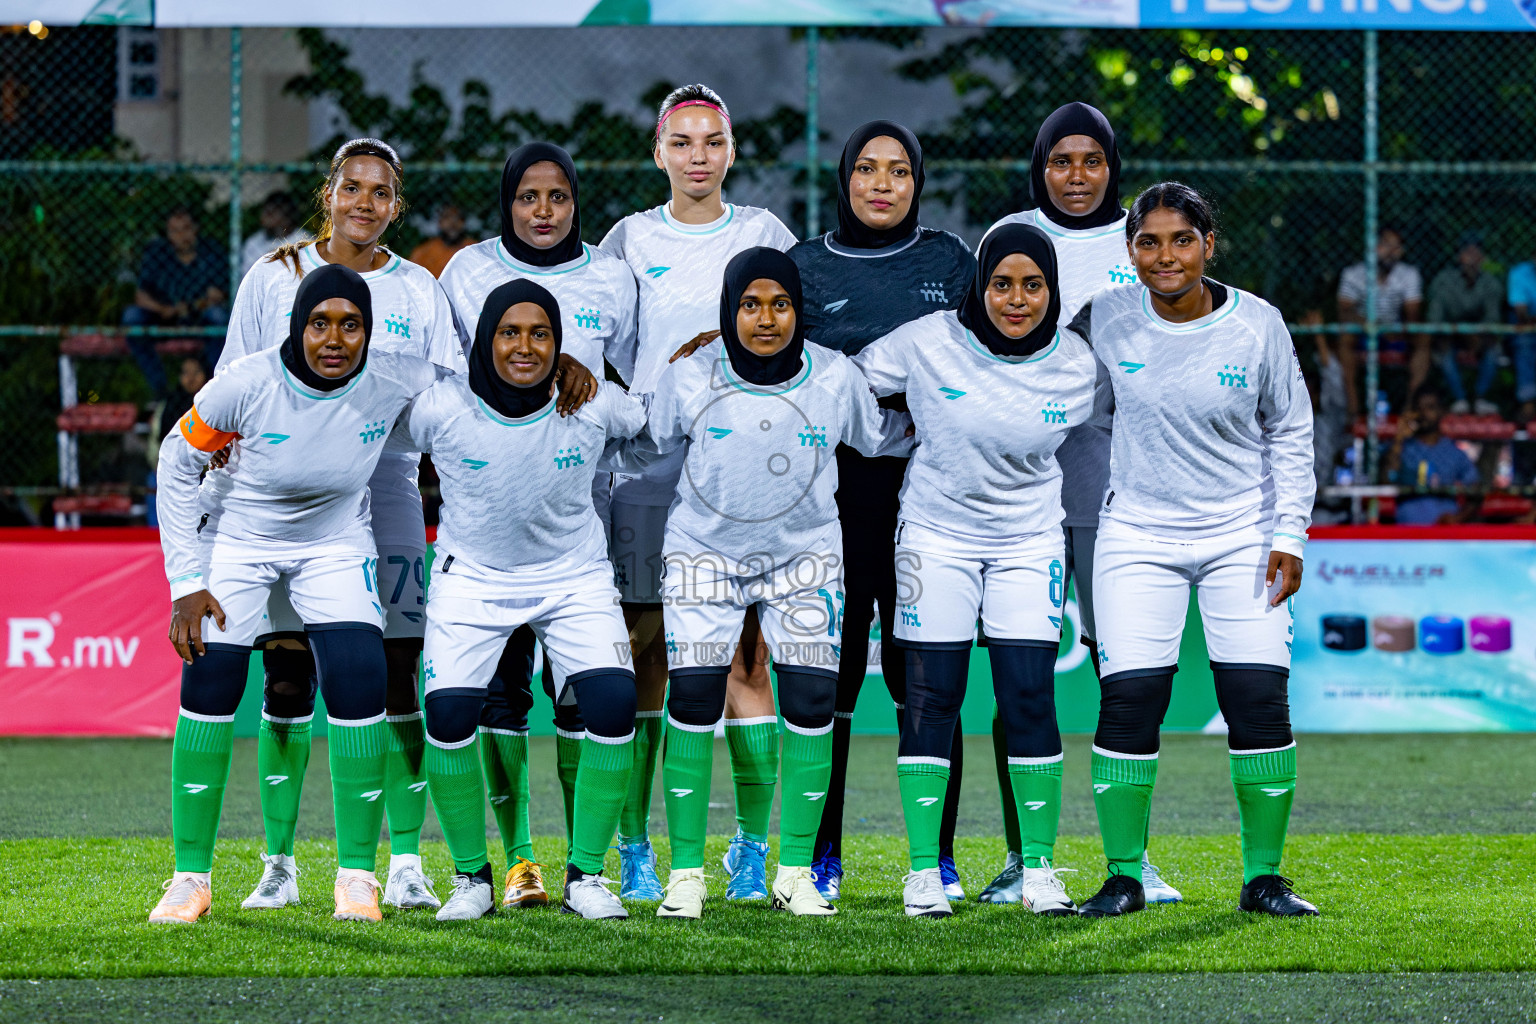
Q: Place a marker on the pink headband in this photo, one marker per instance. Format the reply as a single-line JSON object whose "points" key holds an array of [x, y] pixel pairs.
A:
{"points": [[692, 103]]}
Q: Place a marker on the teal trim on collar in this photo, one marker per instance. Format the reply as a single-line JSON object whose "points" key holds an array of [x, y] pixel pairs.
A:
{"points": [[772, 389], [507, 421], [310, 256], [1193, 325], [703, 229], [328, 396], [523, 268], [1050, 227], [983, 350]]}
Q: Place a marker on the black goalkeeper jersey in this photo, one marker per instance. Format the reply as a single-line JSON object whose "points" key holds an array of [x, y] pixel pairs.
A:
{"points": [[854, 296]]}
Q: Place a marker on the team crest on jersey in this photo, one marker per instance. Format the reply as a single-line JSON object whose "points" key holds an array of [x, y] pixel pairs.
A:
{"points": [[1122, 274], [1232, 376], [909, 616], [1055, 412], [373, 431], [591, 319], [565, 458], [813, 437], [932, 291], [398, 325]]}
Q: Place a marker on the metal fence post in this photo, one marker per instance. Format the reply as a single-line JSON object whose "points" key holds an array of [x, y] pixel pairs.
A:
{"points": [[812, 134], [235, 156], [1372, 328]]}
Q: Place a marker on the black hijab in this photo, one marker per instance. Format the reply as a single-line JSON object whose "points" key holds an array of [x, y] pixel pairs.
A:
{"points": [[517, 165], [851, 231], [745, 267], [1076, 119], [998, 246], [484, 380], [332, 281]]}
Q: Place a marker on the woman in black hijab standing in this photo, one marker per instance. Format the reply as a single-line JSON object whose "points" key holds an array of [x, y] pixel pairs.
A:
{"points": [[878, 270]]}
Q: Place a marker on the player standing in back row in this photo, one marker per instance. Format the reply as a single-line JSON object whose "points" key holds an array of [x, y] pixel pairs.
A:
{"points": [[1074, 180], [678, 252]]}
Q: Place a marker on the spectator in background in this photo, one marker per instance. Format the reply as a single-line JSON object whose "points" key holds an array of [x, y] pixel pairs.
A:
{"points": [[1522, 301], [279, 226], [1399, 300], [1468, 294], [194, 374], [182, 282], [1421, 456], [434, 253]]}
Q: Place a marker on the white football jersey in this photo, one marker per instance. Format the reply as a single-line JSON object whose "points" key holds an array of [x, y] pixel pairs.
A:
{"points": [[1087, 261], [1213, 423], [680, 269], [299, 470], [759, 476], [411, 316], [596, 292], [517, 493], [984, 479]]}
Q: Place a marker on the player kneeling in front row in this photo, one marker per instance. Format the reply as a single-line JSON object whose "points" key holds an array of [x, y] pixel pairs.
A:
{"points": [[308, 421], [993, 389], [520, 543], [754, 524], [1210, 486]]}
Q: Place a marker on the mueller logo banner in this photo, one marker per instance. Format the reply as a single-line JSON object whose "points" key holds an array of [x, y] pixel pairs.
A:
{"points": [[84, 633]]}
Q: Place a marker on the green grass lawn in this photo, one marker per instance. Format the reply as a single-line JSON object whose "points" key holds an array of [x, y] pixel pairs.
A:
{"points": [[1416, 848]]}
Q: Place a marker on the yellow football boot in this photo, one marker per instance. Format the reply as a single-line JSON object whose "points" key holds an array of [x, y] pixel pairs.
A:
{"points": [[525, 885], [357, 897], [185, 901]]}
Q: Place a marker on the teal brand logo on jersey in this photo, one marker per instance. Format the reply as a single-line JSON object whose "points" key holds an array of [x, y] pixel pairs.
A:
{"points": [[833, 307], [932, 291], [813, 437], [565, 458], [1055, 412], [591, 319], [1131, 367], [1119, 274], [373, 431], [397, 324], [274, 438], [1232, 376], [656, 271], [474, 463], [951, 393], [718, 432]]}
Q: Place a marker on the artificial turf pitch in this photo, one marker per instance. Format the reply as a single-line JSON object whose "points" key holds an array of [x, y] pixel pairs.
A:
{"points": [[1417, 849]]}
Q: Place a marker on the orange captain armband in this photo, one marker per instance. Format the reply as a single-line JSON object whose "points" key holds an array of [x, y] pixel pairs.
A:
{"points": [[201, 436]]}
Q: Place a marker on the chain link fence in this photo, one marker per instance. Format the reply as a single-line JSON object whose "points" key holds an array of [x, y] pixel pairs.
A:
{"points": [[1309, 142]]}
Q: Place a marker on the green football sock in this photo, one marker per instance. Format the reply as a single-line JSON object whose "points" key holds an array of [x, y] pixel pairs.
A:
{"points": [[807, 771], [754, 747], [1036, 791], [282, 755], [357, 786], [1122, 794], [1005, 783], [1266, 785], [567, 766], [200, 757], [405, 781], [923, 782], [635, 819], [458, 796], [504, 754], [685, 769], [601, 785]]}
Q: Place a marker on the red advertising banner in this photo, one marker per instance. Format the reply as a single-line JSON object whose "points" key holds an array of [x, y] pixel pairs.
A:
{"points": [[85, 621]]}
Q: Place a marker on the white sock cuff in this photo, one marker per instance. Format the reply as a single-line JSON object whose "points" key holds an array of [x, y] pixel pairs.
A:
{"points": [[301, 720], [942, 762], [195, 717], [792, 727], [673, 723], [414, 716], [1038, 760], [567, 734], [457, 745], [355, 723], [486, 730], [650, 714], [1266, 750], [743, 722], [612, 740], [1124, 757]]}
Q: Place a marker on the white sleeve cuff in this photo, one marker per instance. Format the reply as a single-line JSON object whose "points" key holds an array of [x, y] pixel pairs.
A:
{"points": [[1289, 543], [191, 583]]}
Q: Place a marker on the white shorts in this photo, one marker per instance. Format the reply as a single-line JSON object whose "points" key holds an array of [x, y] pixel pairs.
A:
{"points": [[324, 588], [469, 619], [1019, 597], [636, 538], [799, 609], [401, 590], [1141, 593]]}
